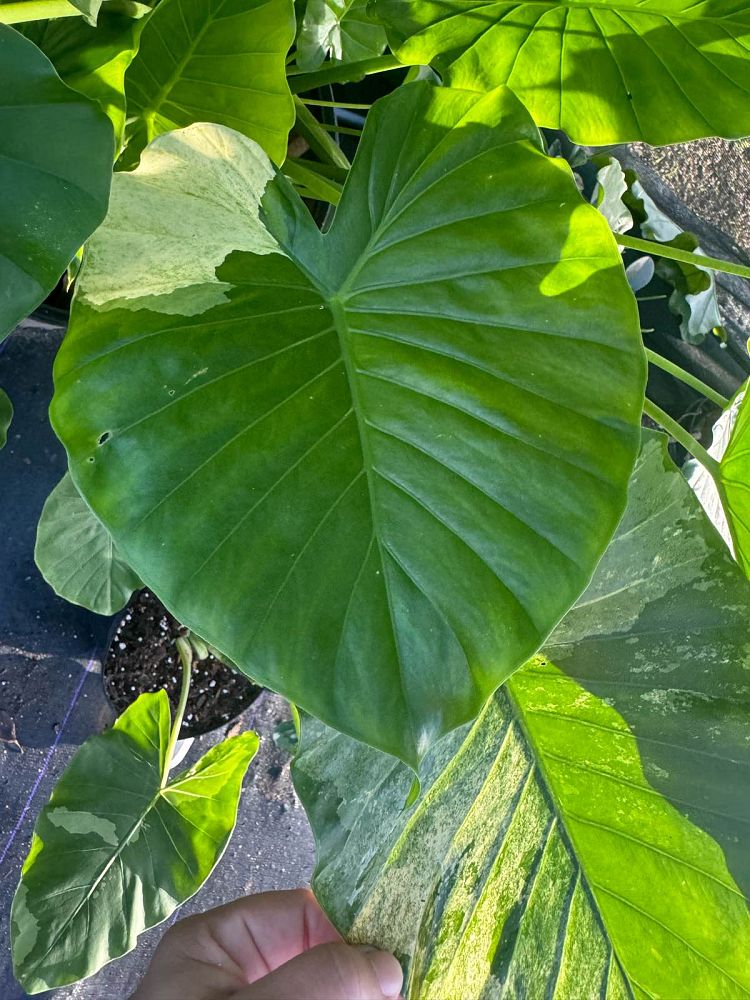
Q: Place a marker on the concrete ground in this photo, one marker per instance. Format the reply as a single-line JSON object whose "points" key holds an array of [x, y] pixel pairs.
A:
{"points": [[50, 687]]}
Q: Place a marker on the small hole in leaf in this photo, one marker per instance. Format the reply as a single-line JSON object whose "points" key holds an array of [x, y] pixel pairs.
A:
{"points": [[91, 458], [104, 437]]}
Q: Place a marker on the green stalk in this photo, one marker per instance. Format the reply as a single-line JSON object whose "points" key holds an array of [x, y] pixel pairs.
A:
{"points": [[682, 437], [337, 104], [21, 11], [36, 10], [186, 659], [340, 73], [685, 256], [316, 185], [687, 378], [318, 139], [341, 129]]}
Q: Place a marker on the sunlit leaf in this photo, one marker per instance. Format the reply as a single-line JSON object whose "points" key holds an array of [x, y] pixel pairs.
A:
{"points": [[735, 480], [588, 835], [217, 61], [660, 71], [93, 61], [392, 453], [114, 852]]}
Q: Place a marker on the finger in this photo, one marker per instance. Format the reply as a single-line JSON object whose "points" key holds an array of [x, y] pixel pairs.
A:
{"points": [[260, 933], [331, 972]]}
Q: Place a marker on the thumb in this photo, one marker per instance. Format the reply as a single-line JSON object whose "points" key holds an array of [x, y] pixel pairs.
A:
{"points": [[331, 972]]}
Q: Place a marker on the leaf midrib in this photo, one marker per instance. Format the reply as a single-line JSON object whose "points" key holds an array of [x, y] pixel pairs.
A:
{"points": [[559, 813], [338, 313]]}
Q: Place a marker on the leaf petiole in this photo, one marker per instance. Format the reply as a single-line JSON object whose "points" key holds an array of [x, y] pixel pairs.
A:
{"points": [[687, 378], [685, 256], [21, 11], [337, 104], [300, 82], [318, 138], [682, 437], [185, 651]]}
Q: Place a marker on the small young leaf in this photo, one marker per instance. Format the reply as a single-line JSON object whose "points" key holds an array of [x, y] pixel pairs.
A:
{"points": [[694, 297], [56, 151], [76, 555], [220, 62], [6, 415], [611, 185], [114, 853], [589, 836], [339, 30]]}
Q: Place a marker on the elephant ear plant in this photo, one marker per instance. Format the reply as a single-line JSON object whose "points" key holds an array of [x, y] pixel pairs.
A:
{"points": [[390, 465]]}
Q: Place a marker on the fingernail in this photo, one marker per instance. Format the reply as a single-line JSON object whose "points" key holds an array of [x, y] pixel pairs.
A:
{"points": [[388, 971]]}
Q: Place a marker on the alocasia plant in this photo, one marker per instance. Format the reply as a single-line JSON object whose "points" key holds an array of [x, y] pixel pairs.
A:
{"points": [[376, 462]]}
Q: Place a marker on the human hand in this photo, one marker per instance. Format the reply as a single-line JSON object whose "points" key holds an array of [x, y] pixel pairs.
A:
{"points": [[273, 946]]}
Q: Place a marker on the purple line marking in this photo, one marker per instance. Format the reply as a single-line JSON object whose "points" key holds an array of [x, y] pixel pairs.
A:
{"points": [[48, 758]]}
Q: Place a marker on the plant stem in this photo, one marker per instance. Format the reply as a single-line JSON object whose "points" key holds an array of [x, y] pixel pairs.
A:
{"points": [[317, 185], [318, 138], [300, 82], [341, 129], [672, 253], [36, 10], [691, 380], [337, 104], [186, 659], [682, 437], [21, 11]]}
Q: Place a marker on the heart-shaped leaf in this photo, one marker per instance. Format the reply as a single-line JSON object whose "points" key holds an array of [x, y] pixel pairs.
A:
{"points": [[118, 848], [220, 61], [382, 462], [660, 71], [56, 152], [589, 835], [76, 555], [340, 30]]}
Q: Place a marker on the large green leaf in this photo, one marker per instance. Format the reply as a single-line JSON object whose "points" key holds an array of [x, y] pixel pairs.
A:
{"points": [[380, 470], [114, 852], [217, 61], [605, 71], [93, 60], [340, 30], [6, 415], [76, 555], [55, 169], [569, 844]]}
